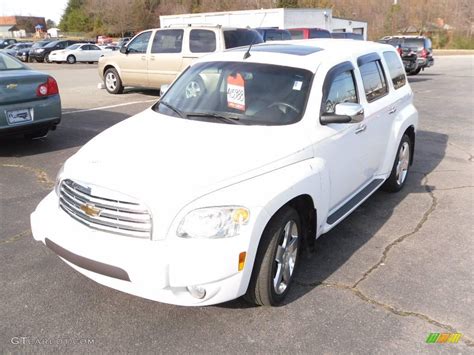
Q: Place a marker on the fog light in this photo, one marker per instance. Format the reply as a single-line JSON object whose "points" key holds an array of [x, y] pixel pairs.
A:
{"points": [[197, 291]]}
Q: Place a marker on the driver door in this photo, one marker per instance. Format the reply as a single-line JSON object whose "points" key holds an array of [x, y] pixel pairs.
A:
{"points": [[134, 64], [341, 145]]}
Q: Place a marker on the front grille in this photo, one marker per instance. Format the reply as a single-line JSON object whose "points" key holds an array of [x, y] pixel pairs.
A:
{"points": [[121, 216]]}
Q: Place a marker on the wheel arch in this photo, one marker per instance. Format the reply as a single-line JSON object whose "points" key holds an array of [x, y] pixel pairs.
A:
{"points": [[410, 132]]}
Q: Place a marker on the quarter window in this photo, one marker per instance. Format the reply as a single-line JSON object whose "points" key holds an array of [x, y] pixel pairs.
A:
{"points": [[343, 89], [375, 85], [202, 41], [395, 68], [167, 41], [139, 43]]}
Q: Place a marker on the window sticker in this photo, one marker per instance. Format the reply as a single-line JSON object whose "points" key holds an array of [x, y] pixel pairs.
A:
{"points": [[297, 85], [236, 92]]}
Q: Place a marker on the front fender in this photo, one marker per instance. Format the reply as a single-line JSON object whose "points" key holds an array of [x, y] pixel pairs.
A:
{"points": [[264, 195]]}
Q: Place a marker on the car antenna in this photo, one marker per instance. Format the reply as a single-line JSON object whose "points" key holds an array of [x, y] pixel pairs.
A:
{"points": [[247, 53]]}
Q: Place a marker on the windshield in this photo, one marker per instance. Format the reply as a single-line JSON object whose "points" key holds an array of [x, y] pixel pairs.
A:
{"points": [[39, 44], [73, 46], [9, 63], [241, 37], [51, 44], [240, 93]]}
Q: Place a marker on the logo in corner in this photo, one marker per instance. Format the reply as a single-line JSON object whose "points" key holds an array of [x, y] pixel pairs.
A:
{"points": [[90, 210], [12, 86]]}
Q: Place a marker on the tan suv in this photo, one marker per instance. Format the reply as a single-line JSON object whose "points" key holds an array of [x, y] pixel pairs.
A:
{"points": [[155, 57]]}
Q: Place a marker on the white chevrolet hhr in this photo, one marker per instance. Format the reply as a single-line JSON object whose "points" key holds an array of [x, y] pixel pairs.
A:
{"points": [[248, 157]]}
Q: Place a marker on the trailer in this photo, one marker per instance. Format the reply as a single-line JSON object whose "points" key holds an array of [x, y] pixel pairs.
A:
{"points": [[279, 17]]}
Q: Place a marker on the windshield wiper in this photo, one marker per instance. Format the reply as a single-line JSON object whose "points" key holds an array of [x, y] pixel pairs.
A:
{"points": [[174, 109], [224, 118]]}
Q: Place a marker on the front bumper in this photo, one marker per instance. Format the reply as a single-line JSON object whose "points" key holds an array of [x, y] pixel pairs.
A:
{"points": [[37, 56], [160, 270], [57, 57]]}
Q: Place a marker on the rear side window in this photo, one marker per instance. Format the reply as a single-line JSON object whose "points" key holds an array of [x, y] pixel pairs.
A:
{"points": [[343, 89], [241, 37], [167, 41], [315, 33], [202, 41], [395, 68], [297, 34], [139, 43], [375, 85]]}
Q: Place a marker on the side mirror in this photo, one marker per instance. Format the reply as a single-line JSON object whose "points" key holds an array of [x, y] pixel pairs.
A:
{"points": [[124, 50], [164, 88], [346, 112]]}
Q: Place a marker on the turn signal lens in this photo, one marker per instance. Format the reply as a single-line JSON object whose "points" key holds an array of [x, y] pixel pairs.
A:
{"points": [[240, 215], [242, 257]]}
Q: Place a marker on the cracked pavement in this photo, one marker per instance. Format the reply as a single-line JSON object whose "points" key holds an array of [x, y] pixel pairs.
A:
{"points": [[397, 269]]}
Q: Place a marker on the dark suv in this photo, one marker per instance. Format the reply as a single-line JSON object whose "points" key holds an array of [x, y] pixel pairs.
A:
{"points": [[42, 54], [420, 45]]}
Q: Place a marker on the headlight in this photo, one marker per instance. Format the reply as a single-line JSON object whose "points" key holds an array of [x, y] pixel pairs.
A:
{"points": [[58, 180], [41, 50], [213, 222]]}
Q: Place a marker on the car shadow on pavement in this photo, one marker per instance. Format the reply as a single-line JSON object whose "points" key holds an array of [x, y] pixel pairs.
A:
{"points": [[143, 91], [75, 130], [417, 79], [335, 248]]}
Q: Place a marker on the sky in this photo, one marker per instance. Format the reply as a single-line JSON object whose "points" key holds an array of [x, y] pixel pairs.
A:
{"points": [[49, 9]]}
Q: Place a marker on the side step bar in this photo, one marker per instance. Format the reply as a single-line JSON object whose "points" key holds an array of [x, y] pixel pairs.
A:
{"points": [[353, 202]]}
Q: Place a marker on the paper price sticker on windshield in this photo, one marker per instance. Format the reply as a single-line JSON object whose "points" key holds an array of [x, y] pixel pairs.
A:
{"points": [[236, 92]]}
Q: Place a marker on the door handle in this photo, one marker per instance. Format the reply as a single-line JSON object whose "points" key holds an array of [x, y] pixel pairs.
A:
{"points": [[392, 110], [360, 129], [143, 57], [152, 57]]}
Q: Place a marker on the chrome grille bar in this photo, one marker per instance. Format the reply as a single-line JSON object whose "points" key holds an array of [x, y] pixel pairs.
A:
{"points": [[120, 216]]}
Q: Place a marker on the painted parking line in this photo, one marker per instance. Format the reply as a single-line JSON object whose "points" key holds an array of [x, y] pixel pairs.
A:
{"points": [[110, 106]]}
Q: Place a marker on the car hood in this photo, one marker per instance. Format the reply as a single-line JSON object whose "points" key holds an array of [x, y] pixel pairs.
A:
{"points": [[171, 161]]}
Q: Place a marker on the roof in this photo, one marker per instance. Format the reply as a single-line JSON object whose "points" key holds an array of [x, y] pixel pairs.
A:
{"points": [[307, 53]]}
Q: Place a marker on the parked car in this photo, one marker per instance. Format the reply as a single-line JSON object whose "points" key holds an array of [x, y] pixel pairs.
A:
{"points": [[218, 190], [109, 47], [155, 57], [307, 33], [104, 40], [123, 41], [273, 34], [5, 42], [29, 100], [408, 55], [421, 45], [24, 54], [79, 52], [347, 35], [13, 49], [42, 54]]}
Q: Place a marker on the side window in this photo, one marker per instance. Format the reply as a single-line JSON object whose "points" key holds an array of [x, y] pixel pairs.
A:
{"points": [[139, 43], [94, 48], [86, 47], [167, 41], [61, 45], [375, 85], [395, 68], [343, 89], [202, 41]]}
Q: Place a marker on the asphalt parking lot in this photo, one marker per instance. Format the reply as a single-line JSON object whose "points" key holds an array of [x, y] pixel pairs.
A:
{"points": [[400, 267]]}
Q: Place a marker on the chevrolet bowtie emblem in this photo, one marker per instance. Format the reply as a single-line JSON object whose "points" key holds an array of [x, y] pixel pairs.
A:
{"points": [[12, 86], [90, 210]]}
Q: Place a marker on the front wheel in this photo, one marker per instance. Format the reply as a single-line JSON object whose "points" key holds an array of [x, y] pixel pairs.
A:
{"points": [[112, 81], [276, 259], [71, 59], [398, 176]]}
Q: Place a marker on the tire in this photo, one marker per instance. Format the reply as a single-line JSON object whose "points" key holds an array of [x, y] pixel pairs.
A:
{"points": [[39, 133], [416, 72], [90, 62], [71, 59], [401, 165], [112, 82], [195, 88], [278, 242]]}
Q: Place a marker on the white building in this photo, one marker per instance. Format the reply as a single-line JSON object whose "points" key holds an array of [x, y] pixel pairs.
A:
{"points": [[53, 32], [281, 18]]}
